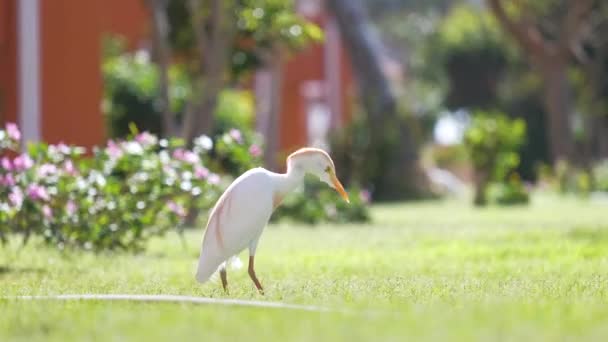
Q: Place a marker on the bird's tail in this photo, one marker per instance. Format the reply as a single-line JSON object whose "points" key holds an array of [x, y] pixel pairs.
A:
{"points": [[207, 271]]}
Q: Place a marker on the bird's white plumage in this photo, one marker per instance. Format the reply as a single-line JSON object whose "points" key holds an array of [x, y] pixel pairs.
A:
{"points": [[228, 233], [240, 215]]}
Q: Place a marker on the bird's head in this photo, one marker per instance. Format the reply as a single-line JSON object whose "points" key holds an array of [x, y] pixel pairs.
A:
{"points": [[317, 162]]}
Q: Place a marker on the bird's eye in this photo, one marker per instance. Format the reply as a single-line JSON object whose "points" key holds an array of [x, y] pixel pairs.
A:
{"points": [[327, 169]]}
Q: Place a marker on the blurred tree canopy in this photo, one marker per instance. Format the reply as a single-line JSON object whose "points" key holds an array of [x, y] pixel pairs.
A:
{"points": [[460, 55], [390, 152], [556, 36], [219, 42]]}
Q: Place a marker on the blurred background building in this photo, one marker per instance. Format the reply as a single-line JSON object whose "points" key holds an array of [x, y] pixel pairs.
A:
{"points": [[51, 78], [399, 91], [50, 64]]}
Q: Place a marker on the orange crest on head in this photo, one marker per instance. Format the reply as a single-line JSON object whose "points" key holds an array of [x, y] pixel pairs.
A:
{"points": [[304, 151]]}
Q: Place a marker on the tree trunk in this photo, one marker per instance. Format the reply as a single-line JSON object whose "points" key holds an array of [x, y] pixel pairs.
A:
{"points": [[214, 28], [392, 147], [273, 136], [199, 120], [481, 181], [162, 53], [558, 104]]}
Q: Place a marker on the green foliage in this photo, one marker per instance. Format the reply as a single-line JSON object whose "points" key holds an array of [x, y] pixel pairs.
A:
{"points": [[237, 151], [131, 93], [569, 178], [235, 109], [131, 90], [492, 141], [511, 191], [600, 176], [348, 146], [317, 203], [448, 157], [261, 25], [469, 29], [470, 52]]}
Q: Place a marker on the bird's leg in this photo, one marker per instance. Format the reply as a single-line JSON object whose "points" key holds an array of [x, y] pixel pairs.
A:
{"points": [[224, 279], [253, 276]]}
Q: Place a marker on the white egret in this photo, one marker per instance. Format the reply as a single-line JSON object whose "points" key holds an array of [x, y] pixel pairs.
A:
{"points": [[241, 213]]}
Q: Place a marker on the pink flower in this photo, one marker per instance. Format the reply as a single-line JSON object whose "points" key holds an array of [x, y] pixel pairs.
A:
{"points": [[69, 168], [255, 150], [46, 170], [191, 157], [7, 180], [186, 156], [176, 208], [178, 153], [47, 212], [6, 164], [60, 148], [37, 192], [365, 196], [70, 208], [213, 179], [113, 150], [16, 197], [63, 148], [146, 139], [13, 131], [236, 135], [200, 172], [23, 162]]}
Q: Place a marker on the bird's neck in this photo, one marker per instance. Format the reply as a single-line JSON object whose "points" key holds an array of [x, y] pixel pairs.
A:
{"points": [[288, 181]]}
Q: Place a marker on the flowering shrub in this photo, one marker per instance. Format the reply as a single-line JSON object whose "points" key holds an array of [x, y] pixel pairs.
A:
{"points": [[115, 198], [237, 151], [120, 194]]}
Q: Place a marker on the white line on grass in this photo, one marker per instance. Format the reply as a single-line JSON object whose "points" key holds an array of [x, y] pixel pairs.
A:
{"points": [[180, 299]]}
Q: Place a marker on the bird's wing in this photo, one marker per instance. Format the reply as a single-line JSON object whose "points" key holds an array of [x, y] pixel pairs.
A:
{"points": [[212, 249], [237, 218], [214, 224]]}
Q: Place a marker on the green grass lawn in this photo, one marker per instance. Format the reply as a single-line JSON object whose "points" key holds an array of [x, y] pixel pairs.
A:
{"points": [[428, 271]]}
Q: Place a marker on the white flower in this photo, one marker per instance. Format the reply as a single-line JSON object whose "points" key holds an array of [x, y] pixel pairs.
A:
{"points": [[204, 142], [133, 147]]}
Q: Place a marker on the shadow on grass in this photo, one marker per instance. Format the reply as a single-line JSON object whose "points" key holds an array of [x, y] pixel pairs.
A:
{"points": [[20, 270], [589, 234]]}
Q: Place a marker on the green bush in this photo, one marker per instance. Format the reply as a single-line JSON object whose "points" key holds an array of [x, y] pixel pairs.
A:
{"points": [[510, 192], [236, 151], [600, 176], [569, 178], [471, 53], [131, 96], [492, 141], [317, 203], [115, 198], [131, 91]]}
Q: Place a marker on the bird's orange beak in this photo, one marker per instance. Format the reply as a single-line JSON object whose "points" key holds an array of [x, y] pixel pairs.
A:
{"points": [[339, 187]]}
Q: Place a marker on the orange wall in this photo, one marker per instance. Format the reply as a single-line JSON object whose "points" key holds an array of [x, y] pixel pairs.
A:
{"points": [[129, 18], [304, 66], [8, 61], [348, 86], [71, 32], [71, 82]]}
